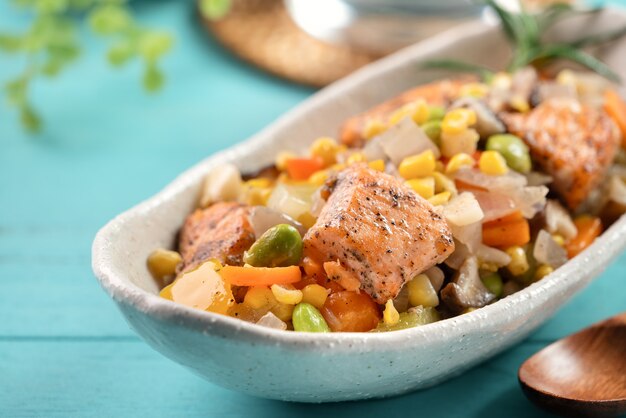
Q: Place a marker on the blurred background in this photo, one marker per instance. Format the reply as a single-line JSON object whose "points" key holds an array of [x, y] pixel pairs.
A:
{"points": [[104, 103]]}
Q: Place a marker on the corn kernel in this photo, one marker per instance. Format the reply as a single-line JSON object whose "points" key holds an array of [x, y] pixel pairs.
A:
{"points": [[357, 157], [444, 184], [422, 292], [459, 160], [338, 167], [307, 220], [559, 239], [502, 81], [468, 310], [286, 294], [283, 311], [281, 159], [326, 149], [458, 120], [477, 90], [390, 315], [519, 103], [315, 295], [373, 127], [378, 165], [542, 271], [420, 165], [566, 77], [319, 177], [440, 198], [418, 110], [259, 298], [492, 163], [486, 266], [519, 262], [424, 187], [256, 191], [440, 166]]}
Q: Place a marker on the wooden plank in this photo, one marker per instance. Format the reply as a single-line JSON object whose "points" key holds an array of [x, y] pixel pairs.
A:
{"points": [[122, 378]]}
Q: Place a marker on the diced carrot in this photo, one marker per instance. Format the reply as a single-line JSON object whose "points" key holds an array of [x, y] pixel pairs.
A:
{"points": [[507, 231], [616, 108], [463, 186], [260, 276], [589, 227], [512, 217], [350, 312], [302, 168]]}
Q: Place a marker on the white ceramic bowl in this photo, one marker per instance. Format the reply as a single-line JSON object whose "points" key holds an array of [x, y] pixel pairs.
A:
{"points": [[332, 367]]}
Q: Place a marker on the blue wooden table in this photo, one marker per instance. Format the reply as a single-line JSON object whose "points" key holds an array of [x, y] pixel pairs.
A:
{"points": [[64, 349]]}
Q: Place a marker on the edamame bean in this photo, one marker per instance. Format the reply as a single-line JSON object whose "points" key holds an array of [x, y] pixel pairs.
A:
{"points": [[513, 149], [307, 318], [279, 246], [493, 283], [436, 113], [432, 129]]}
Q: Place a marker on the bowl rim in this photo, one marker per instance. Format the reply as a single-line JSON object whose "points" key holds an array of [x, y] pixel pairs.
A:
{"points": [[111, 278]]}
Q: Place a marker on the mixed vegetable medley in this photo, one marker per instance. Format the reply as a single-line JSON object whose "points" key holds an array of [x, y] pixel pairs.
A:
{"points": [[437, 202]]}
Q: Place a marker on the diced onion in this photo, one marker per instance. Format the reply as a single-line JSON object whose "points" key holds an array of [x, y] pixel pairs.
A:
{"points": [[270, 320], [405, 139], [547, 251], [558, 221], [461, 252], [463, 210], [471, 235], [494, 205], [223, 183], [292, 200], [263, 218], [373, 150], [492, 255]]}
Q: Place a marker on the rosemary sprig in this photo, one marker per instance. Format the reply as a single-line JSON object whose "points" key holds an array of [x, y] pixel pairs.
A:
{"points": [[525, 34]]}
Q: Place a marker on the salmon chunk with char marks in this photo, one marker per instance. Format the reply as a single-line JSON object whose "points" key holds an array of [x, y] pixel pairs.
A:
{"points": [[221, 231], [438, 93], [572, 142], [376, 232]]}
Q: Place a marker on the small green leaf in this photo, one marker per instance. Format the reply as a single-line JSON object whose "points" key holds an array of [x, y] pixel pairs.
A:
{"points": [[215, 9], [153, 78], [153, 45], [16, 91], [51, 6], [11, 43], [30, 119], [572, 54], [109, 19], [120, 53]]}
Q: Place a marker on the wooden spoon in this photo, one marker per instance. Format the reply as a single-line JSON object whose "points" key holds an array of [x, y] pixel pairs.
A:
{"points": [[583, 375]]}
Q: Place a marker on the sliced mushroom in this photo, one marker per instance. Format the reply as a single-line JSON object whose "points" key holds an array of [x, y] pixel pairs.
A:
{"points": [[466, 289], [487, 123]]}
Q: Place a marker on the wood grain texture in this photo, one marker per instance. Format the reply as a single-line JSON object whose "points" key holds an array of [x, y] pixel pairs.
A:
{"points": [[583, 374], [64, 349]]}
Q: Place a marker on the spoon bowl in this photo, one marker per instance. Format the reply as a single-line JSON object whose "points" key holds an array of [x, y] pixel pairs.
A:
{"points": [[581, 375]]}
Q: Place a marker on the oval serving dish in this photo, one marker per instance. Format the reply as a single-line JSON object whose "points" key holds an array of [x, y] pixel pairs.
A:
{"points": [[336, 366]]}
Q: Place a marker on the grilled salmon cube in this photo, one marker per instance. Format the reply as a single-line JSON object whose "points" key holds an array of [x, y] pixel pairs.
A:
{"points": [[221, 231], [572, 142], [438, 93], [375, 233]]}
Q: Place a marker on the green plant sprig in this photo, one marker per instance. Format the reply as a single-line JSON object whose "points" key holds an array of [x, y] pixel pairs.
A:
{"points": [[524, 31], [51, 44]]}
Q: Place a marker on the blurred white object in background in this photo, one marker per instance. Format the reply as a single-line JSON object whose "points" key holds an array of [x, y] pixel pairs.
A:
{"points": [[380, 26]]}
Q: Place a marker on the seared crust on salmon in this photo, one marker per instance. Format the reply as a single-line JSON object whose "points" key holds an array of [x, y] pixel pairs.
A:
{"points": [[221, 231], [437, 93], [572, 142], [377, 232]]}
